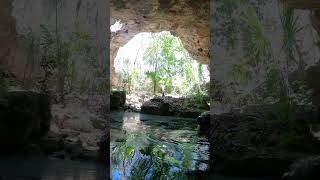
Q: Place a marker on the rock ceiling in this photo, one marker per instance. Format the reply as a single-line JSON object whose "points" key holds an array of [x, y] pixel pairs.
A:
{"points": [[186, 19]]}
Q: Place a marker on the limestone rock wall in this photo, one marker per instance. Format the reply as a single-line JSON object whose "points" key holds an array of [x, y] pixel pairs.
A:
{"points": [[228, 27], [23, 18], [186, 19], [9, 50]]}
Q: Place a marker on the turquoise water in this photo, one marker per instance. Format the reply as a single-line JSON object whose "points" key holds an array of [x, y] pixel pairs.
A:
{"points": [[158, 148], [155, 147]]}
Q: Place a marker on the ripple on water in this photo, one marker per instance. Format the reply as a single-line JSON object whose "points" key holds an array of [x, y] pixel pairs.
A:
{"points": [[143, 146]]}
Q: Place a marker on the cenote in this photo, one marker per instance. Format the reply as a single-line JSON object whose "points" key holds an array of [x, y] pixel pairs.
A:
{"points": [[147, 146], [151, 147]]}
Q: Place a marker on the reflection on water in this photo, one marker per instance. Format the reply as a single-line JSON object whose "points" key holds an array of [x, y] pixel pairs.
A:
{"points": [[155, 147], [44, 169]]}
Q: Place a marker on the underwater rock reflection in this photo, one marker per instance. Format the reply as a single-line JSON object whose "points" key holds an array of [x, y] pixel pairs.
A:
{"points": [[147, 147]]}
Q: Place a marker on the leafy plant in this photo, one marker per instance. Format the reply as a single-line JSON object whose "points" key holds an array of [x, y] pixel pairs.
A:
{"points": [[168, 68], [155, 77], [48, 61], [241, 73], [199, 97], [156, 164], [292, 131], [228, 6], [290, 29], [119, 4], [260, 46]]}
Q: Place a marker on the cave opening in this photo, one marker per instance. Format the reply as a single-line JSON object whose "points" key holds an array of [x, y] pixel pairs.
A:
{"points": [[157, 64], [159, 57], [161, 89]]}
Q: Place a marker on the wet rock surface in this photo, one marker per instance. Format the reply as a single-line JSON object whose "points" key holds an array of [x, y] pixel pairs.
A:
{"points": [[251, 143], [32, 127], [76, 129], [308, 168], [170, 106]]}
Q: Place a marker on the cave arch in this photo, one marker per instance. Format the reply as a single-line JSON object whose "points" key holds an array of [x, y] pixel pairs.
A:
{"points": [[180, 18]]}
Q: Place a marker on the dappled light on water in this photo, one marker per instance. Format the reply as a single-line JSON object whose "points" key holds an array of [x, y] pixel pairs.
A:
{"points": [[147, 146]]}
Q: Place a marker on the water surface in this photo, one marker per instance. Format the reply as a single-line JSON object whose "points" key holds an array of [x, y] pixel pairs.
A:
{"points": [[158, 148], [150, 147], [45, 169]]}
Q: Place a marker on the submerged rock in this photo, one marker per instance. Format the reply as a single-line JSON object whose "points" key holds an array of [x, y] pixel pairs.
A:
{"points": [[255, 142], [308, 168], [170, 106], [24, 117]]}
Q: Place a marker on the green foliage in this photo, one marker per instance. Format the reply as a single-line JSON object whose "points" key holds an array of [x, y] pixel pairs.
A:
{"points": [[292, 132], [199, 97], [241, 73], [158, 159], [122, 153], [228, 6], [164, 67], [274, 84], [119, 4], [48, 62], [260, 46], [154, 76], [61, 68], [3, 82], [80, 43], [162, 56], [290, 28]]}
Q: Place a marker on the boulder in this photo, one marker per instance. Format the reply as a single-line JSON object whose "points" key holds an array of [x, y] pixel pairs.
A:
{"points": [[170, 106], [156, 106], [253, 142], [24, 117], [308, 168], [117, 100]]}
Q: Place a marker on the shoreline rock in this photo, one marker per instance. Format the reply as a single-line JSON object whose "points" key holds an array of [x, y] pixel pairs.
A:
{"points": [[170, 106], [308, 168], [24, 118], [117, 100], [252, 143]]}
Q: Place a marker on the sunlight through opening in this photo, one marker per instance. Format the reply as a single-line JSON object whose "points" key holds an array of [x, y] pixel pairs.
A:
{"points": [[158, 63]]}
